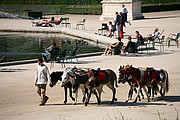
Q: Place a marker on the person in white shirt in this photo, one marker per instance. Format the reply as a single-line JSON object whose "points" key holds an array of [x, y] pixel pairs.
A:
{"points": [[42, 77], [125, 11]]}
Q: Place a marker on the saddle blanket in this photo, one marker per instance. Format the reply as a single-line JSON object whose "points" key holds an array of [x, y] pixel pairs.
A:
{"points": [[101, 75]]}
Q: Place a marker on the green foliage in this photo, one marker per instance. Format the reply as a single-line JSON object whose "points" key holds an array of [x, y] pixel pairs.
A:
{"points": [[60, 2], [78, 6], [159, 7], [160, 1]]}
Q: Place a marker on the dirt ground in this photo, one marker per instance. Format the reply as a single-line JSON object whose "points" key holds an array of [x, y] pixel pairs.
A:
{"points": [[19, 100]]}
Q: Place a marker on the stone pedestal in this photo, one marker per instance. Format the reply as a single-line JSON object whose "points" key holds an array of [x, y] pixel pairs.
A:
{"points": [[109, 7]]}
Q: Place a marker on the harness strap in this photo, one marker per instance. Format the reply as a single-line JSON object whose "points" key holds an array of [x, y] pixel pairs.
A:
{"points": [[141, 75]]}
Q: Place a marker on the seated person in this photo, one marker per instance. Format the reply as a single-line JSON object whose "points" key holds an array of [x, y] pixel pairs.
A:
{"points": [[111, 29], [43, 24], [52, 20], [57, 22], [48, 52], [46, 23], [139, 38], [115, 47], [130, 47], [154, 35]]}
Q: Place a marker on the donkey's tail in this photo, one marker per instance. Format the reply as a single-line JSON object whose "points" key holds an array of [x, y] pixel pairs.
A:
{"points": [[166, 80]]}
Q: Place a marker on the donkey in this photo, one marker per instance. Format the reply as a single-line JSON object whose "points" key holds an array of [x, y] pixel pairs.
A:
{"points": [[55, 76], [123, 78], [142, 78], [164, 82], [99, 78], [79, 79]]}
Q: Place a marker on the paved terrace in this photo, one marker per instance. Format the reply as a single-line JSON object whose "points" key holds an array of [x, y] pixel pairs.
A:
{"points": [[168, 21]]}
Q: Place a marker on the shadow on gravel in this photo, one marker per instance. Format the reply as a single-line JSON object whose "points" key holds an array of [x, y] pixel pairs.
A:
{"points": [[12, 70]]}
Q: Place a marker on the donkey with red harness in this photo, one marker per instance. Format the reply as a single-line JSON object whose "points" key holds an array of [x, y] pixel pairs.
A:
{"points": [[123, 78], [79, 79], [99, 78], [145, 78]]}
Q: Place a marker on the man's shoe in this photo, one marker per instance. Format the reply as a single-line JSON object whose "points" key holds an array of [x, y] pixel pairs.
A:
{"points": [[42, 104]]}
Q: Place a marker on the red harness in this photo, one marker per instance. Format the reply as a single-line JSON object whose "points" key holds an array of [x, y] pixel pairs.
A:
{"points": [[101, 75], [151, 75]]}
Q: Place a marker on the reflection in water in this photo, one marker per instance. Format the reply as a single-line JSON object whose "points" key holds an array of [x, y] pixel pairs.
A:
{"points": [[30, 46]]}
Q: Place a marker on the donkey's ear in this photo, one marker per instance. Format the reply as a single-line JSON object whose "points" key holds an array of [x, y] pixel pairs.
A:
{"points": [[74, 67]]}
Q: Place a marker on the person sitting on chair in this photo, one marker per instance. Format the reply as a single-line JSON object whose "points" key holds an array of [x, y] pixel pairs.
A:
{"points": [[110, 28], [57, 22], [113, 47], [130, 47], [48, 52], [151, 37], [139, 38], [49, 23]]}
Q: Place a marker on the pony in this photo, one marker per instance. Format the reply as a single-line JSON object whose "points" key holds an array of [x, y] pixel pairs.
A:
{"points": [[123, 78], [79, 79], [147, 78], [55, 76], [164, 82], [99, 78]]}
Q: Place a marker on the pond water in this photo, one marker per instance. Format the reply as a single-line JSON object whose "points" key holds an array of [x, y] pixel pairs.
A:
{"points": [[23, 46]]}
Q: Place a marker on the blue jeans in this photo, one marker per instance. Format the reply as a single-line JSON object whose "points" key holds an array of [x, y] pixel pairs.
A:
{"points": [[118, 28]]}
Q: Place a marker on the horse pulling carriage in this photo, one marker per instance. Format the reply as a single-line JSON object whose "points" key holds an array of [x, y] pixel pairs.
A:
{"points": [[92, 81]]}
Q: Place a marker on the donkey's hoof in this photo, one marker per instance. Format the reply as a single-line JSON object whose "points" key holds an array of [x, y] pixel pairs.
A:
{"points": [[115, 99], [85, 104], [65, 102]]}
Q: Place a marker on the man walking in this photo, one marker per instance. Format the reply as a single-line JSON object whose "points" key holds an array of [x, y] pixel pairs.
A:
{"points": [[125, 11], [41, 80]]}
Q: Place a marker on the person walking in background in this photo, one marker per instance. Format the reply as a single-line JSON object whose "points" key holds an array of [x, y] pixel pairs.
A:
{"points": [[41, 79], [124, 12], [118, 24]]}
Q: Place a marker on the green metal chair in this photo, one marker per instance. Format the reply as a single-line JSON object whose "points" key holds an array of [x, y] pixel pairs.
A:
{"points": [[72, 54], [65, 22], [61, 57], [173, 37]]}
